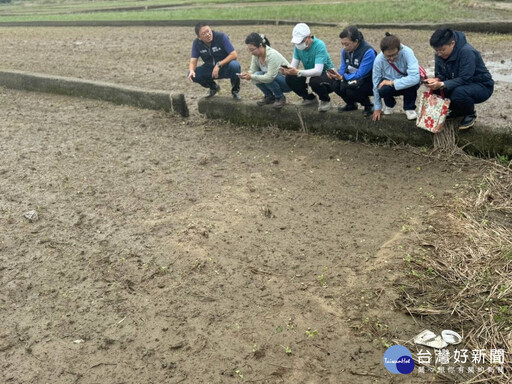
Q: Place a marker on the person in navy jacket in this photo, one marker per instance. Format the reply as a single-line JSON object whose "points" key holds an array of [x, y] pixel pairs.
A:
{"points": [[219, 57], [354, 78], [461, 73]]}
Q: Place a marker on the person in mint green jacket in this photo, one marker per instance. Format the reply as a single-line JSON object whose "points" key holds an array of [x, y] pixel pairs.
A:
{"points": [[264, 73], [395, 72]]}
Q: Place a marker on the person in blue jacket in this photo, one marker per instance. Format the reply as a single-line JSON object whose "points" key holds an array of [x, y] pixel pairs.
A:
{"points": [[395, 72], [219, 57], [354, 77], [461, 73]]}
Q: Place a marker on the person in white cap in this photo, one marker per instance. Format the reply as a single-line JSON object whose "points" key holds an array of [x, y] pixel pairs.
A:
{"points": [[313, 54]]}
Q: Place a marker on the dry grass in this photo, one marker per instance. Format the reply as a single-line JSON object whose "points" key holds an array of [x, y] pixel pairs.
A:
{"points": [[465, 278]]}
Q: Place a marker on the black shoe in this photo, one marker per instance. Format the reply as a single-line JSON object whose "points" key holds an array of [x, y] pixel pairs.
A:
{"points": [[347, 107], [213, 91], [368, 110], [236, 96], [468, 121]]}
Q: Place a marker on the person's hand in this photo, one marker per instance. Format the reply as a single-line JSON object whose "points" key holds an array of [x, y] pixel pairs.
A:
{"points": [[215, 72], [376, 115], [191, 75], [386, 82], [289, 71], [433, 84], [245, 76], [334, 75]]}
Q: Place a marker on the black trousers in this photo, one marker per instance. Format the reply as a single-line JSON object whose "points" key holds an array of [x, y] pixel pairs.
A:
{"points": [[321, 85], [356, 93], [464, 97]]}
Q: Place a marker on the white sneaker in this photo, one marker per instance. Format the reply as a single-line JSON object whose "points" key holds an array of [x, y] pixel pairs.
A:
{"points": [[324, 106], [387, 110], [411, 114]]}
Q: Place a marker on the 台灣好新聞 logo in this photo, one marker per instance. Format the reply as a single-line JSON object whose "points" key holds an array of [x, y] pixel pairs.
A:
{"points": [[398, 359]]}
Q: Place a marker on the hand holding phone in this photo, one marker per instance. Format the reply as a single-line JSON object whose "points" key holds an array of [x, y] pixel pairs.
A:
{"points": [[285, 66]]}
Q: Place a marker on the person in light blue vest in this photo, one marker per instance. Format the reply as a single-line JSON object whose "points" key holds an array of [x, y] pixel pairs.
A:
{"points": [[395, 72], [219, 57]]}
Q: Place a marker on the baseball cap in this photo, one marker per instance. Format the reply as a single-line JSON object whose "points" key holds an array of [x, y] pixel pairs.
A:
{"points": [[300, 31]]}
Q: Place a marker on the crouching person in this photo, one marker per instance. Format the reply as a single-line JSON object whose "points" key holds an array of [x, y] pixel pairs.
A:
{"points": [[461, 73], [264, 73], [219, 57], [354, 78], [313, 54], [395, 72]]}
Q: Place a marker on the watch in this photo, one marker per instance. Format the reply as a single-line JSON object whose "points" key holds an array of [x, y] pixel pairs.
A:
{"points": [[219, 64], [299, 73]]}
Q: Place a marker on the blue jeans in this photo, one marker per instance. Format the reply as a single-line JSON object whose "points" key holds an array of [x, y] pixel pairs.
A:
{"points": [[275, 88], [388, 94], [229, 71]]}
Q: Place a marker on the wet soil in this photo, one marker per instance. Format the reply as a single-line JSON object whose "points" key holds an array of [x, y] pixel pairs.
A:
{"points": [[173, 250]]}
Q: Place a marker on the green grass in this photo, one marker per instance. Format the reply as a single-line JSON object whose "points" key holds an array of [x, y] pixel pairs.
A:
{"points": [[352, 12], [49, 7]]}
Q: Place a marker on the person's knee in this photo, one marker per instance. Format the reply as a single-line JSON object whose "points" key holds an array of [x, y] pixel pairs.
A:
{"points": [[461, 95], [386, 91], [315, 81], [234, 67], [291, 80]]}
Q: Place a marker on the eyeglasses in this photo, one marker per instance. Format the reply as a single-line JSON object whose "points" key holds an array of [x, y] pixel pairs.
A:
{"points": [[391, 57]]}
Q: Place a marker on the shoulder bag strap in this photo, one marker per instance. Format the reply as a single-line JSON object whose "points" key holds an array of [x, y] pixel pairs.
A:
{"points": [[396, 69]]}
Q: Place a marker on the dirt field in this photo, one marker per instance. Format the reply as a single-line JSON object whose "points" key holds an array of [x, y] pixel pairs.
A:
{"points": [[172, 250], [158, 58]]}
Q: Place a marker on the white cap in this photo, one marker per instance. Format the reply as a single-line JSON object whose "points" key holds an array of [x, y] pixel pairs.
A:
{"points": [[300, 31]]}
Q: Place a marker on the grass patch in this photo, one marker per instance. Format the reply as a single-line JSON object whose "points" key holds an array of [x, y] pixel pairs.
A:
{"points": [[462, 278], [350, 12], [50, 6]]}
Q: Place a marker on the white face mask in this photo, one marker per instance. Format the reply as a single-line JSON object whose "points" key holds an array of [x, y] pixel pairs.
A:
{"points": [[302, 46]]}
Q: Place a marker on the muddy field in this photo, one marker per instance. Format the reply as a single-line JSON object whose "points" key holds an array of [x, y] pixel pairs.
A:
{"points": [[189, 251]]}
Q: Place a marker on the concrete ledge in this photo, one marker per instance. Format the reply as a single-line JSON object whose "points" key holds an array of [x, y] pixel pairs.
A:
{"points": [[469, 26], [118, 94], [481, 140]]}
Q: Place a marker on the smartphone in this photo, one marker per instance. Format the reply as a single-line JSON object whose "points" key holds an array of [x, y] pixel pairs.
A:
{"points": [[285, 66], [238, 74], [331, 70], [424, 81]]}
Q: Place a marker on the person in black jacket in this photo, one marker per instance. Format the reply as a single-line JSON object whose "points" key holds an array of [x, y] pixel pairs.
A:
{"points": [[354, 77], [219, 58], [461, 73]]}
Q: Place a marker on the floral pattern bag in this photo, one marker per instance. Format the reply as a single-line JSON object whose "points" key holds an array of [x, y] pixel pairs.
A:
{"points": [[433, 110]]}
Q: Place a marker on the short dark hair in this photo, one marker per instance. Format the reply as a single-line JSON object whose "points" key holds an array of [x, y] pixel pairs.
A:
{"points": [[441, 37], [389, 42], [200, 25], [256, 39], [352, 33]]}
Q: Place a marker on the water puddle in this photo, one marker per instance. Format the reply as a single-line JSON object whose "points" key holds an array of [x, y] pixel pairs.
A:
{"points": [[500, 70]]}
